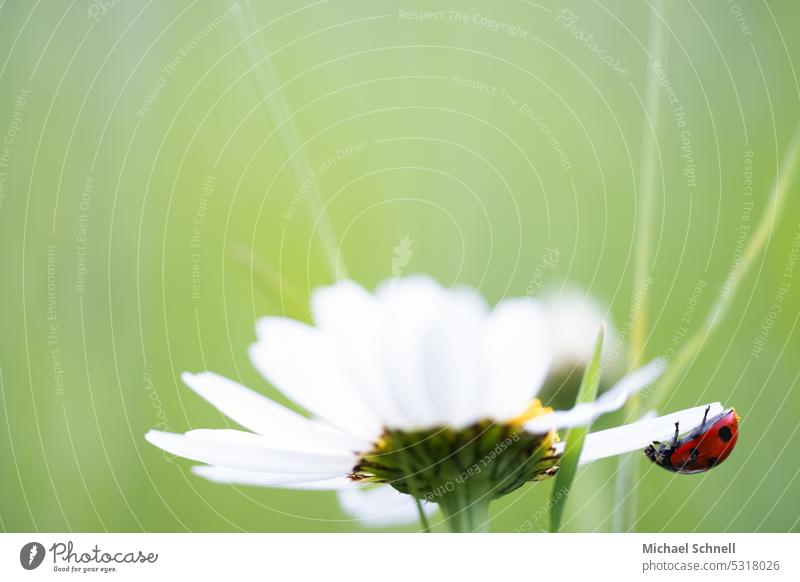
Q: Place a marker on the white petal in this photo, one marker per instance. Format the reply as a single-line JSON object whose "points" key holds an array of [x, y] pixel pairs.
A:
{"points": [[638, 435], [411, 307], [517, 351], [335, 484], [633, 383], [382, 506], [264, 416], [227, 475], [353, 320], [452, 356], [248, 451], [613, 399], [302, 363]]}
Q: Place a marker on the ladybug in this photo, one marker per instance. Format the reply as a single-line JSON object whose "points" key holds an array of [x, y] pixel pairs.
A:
{"points": [[703, 448]]}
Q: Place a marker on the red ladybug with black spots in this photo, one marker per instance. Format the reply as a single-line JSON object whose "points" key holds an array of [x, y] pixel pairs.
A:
{"points": [[702, 449]]}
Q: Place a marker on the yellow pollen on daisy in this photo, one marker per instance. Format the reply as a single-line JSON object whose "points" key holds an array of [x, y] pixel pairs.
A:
{"points": [[534, 409]]}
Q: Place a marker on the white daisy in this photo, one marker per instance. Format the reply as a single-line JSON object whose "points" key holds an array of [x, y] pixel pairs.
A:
{"points": [[416, 386]]}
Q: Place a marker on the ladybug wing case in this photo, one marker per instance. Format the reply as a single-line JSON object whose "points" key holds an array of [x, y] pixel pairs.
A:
{"points": [[707, 449]]}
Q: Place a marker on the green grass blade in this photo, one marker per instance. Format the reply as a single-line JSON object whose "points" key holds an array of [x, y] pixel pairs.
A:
{"points": [[787, 175], [277, 288], [625, 499], [271, 87], [647, 186], [575, 436], [423, 519]]}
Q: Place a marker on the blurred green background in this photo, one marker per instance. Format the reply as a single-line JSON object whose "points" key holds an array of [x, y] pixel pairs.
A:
{"points": [[146, 142]]}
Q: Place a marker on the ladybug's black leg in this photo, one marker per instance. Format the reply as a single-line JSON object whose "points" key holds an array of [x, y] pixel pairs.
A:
{"points": [[675, 438], [705, 417]]}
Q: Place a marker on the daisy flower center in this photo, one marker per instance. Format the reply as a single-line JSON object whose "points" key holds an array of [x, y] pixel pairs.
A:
{"points": [[475, 464]]}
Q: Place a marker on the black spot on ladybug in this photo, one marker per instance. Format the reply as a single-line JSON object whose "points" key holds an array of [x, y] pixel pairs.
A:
{"points": [[725, 433], [695, 453], [713, 460]]}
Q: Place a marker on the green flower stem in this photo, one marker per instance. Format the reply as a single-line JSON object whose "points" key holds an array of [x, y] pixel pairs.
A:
{"points": [[787, 173], [463, 514], [575, 437], [477, 516]]}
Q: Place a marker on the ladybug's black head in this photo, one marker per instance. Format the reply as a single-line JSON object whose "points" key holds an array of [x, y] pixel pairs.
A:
{"points": [[658, 453], [651, 450]]}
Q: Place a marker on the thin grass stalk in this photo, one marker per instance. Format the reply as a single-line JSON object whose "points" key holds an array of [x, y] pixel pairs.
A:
{"points": [[268, 82], [627, 475], [568, 465], [278, 288], [787, 173]]}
